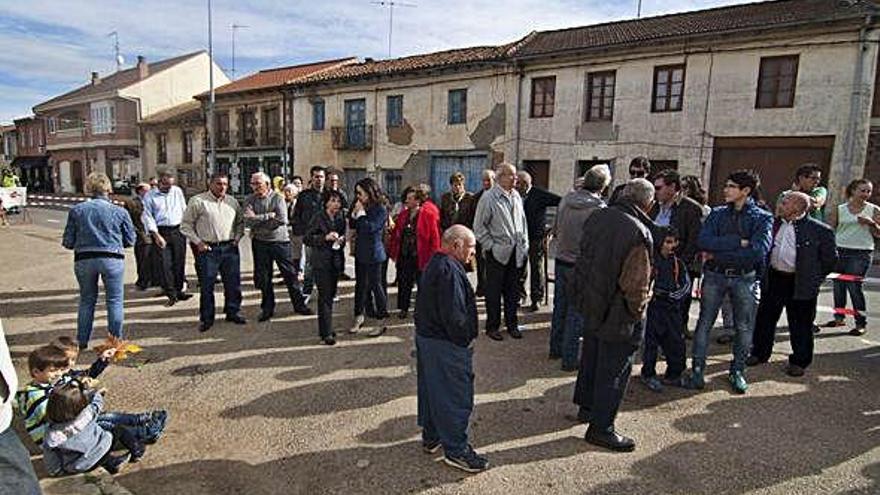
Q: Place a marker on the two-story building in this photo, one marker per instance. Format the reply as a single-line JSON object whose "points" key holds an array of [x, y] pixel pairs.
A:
{"points": [[250, 131], [174, 139], [31, 161], [95, 127], [405, 120]]}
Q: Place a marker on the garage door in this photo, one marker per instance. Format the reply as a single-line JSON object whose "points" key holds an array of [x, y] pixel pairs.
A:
{"points": [[471, 165], [775, 159]]}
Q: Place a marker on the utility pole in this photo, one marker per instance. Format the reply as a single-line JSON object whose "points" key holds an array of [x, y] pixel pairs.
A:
{"points": [[212, 142], [235, 28], [117, 56], [391, 4]]}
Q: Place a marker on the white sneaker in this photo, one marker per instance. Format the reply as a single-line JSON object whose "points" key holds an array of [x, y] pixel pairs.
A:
{"points": [[358, 322]]}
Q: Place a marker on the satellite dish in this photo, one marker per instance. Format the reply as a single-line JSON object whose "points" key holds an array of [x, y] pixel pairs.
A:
{"points": [[120, 60]]}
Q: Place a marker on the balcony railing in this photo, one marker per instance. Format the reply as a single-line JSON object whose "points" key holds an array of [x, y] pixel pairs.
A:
{"points": [[247, 137], [270, 137], [353, 137]]}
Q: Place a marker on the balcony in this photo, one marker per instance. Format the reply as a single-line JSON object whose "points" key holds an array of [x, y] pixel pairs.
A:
{"points": [[270, 136], [353, 137], [247, 137], [222, 138]]}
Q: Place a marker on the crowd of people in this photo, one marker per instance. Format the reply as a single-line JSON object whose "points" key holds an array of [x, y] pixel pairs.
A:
{"points": [[627, 263]]}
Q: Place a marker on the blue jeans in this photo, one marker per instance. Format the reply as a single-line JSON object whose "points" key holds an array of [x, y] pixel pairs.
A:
{"points": [[223, 258], [111, 271], [852, 262], [567, 325], [744, 294], [139, 426], [445, 392]]}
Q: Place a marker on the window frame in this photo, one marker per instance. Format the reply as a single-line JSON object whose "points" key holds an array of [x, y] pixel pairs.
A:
{"points": [[547, 109], [670, 69], [459, 114], [604, 75], [319, 125], [394, 118], [762, 75], [161, 148], [103, 117], [186, 138]]}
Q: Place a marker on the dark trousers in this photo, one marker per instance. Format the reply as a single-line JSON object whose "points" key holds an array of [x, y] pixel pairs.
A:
{"points": [[173, 260], [501, 281], [326, 278], [535, 272], [265, 255], [445, 392], [800, 313], [407, 277], [145, 260], [663, 330], [602, 379], [480, 262], [368, 282], [223, 259], [16, 471]]}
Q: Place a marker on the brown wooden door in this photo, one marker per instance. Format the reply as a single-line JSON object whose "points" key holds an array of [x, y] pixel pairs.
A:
{"points": [[76, 172], [540, 172], [775, 159]]}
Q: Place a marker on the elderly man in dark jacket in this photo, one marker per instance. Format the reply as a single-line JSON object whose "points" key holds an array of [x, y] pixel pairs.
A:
{"points": [[802, 254], [446, 325], [535, 203], [611, 288]]}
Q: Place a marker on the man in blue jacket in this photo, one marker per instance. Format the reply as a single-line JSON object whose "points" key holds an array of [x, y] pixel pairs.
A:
{"points": [[803, 254], [735, 240]]}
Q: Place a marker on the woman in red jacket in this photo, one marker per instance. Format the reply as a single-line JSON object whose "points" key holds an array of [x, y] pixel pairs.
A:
{"points": [[415, 238]]}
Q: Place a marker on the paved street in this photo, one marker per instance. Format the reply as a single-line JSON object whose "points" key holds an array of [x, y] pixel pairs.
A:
{"points": [[264, 409]]}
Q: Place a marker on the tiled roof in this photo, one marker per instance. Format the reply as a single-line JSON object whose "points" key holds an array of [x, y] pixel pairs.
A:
{"points": [[702, 22], [191, 110], [407, 64], [274, 78], [117, 80]]}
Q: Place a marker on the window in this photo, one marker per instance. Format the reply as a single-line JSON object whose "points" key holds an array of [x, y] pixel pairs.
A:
{"points": [[187, 147], [395, 110], [52, 125], [543, 96], [161, 149], [221, 127], [318, 115], [777, 78], [103, 116], [600, 96], [668, 88], [457, 111], [393, 180], [271, 127], [247, 128]]}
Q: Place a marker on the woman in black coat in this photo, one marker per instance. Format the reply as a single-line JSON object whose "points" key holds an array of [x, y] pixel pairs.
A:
{"points": [[326, 236]]}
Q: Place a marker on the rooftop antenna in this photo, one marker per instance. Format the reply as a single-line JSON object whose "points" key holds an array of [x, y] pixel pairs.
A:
{"points": [[118, 56], [391, 4], [639, 11], [235, 28]]}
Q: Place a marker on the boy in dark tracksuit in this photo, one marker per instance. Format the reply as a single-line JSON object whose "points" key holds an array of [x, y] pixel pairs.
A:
{"points": [[663, 323]]}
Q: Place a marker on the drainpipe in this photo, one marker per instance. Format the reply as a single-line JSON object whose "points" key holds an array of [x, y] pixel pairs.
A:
{"points": [[702, 162], [519, 82], [375, 131], [855, 113]]}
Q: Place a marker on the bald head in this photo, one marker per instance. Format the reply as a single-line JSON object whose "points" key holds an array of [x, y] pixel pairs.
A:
{"points": [[523, 181], [794, 205], [459, 242], [505, 175]]}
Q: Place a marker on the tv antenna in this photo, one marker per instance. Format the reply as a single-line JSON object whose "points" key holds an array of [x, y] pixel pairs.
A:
{"points": [[118, 56], [235, 28], [391, 4]]}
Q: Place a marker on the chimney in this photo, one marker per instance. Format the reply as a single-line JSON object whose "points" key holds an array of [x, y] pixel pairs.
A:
{"points": [[96, 79], [143, 68], [369, 60]]}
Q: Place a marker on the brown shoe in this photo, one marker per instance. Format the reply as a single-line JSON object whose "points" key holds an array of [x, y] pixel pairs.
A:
{"points": [[857, 331], [794, 370], [834, 323]]}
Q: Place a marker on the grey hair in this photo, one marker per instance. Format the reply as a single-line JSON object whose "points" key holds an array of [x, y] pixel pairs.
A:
{"points": [[262, 176], [524, 176], [489, 174], [456, 232], [98, 183], [638, 191], [597, 178]]}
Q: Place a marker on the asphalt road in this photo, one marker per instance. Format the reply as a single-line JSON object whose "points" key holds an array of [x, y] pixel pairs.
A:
{"points": [[264, 409]]}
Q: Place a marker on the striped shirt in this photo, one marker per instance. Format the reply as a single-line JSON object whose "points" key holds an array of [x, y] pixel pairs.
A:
{"points": [[32, 403]]}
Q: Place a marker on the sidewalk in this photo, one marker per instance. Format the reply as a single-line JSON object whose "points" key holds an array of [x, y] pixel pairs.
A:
{"points": [[95, 483]]}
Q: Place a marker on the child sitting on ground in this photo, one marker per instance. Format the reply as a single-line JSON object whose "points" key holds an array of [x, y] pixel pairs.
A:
{"points": [[663, 322], [75, 441]]}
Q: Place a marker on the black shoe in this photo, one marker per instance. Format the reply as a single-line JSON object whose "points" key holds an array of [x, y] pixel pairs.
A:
{"points": [[857, 331], [329, 340], [304, 310], [204, 326], [114, 463], [568, 368], [495, 335], [171, 301], [403, 314], [610, 440], [480, 292], [533, 307], [470, 462], [183, 296], [264, 317], [237, 319], [431, 447], [724, 339], [515, 333], [834, 323], [794, 370], [816, 329], [137, 452], [755, 360]]}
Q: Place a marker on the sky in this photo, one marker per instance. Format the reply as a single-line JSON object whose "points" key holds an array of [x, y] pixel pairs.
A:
{"points": [[49, 47]]}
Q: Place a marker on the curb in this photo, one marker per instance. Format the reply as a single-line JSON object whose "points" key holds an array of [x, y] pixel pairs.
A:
{"points": [[94, 483]]}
